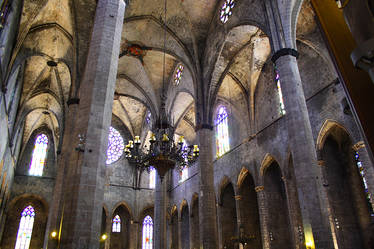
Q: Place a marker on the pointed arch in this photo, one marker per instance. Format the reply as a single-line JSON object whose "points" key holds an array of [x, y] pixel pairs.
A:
{"points": [[242, 175], [266, 162]]}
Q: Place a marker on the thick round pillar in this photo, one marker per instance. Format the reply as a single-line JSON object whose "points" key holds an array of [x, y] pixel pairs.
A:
{"points": [[207, 199], [263, 216], [84, 197], [313, 206], [159, 214]]}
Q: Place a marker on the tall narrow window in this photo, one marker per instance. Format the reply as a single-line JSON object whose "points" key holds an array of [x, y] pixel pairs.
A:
{"points": [[226, 10], [368, 196], [152, 177], [25, 228], [222, 132], [38, 156], [183, 174], [147, 233], [178, 74], [282, 109], [116, 226]]}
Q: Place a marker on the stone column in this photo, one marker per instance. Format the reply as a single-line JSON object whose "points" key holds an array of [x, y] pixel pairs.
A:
{"points": [[207, 201], [160, 214], [85, 193], [263, 216], [304, 156], [238, 199]]}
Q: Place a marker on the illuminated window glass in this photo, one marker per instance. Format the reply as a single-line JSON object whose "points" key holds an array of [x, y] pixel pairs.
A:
{"points": [[183, 174], [116, 226], [115, 146], [148, 117], [178, 74], [282, 109], [222, 132], [226, 10], [147, 233], [38, 156], [152, 177], [368, 196], [25, 228]]}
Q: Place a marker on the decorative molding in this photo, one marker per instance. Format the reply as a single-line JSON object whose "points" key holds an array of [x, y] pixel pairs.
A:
{"points": [[238, 197], [259, 188], [359, 145], [321, 163], [283, 52]]}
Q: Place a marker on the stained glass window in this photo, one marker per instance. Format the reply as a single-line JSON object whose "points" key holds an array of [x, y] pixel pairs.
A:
{"points": [[38, 156], [147, 233], [115, 146], [222, 132], [226, 10], [183, 174], [116, 226], [178, 74], [368, 196], [152, 177], [148, 117], [25, 228], [282, 109]]}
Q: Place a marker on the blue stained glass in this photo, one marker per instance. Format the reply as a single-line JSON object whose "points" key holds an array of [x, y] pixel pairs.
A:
{"points": [[116, 227], [178, 74], [282, 109], [25, 228], [147, 233], [38, 156], [368, 196], [226, 10], [115, 146]]}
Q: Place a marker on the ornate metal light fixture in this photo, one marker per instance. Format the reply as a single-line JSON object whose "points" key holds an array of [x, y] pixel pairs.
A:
{"points": [[163, 153]]}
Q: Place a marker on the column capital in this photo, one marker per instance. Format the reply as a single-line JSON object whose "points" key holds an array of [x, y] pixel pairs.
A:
{"points": [[238, 197], [284, 51], [259, 188], [321, 162]]}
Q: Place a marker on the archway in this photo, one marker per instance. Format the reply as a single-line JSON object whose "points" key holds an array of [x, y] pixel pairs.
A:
{"points": [[349, 210], [248, 206], [278, 220], [228, 217], [120, 230], [185, 228], [195, 232], [174, 230]]}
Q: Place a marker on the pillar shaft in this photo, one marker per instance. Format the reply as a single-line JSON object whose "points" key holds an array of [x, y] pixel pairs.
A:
{"points": [[303, 153], [207, 204], [160, 214], [85, 193], [263, 216]]}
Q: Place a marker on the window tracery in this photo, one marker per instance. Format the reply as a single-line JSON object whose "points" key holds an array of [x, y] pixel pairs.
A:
{"points": [[178, 74], [116, 226], [115, 146], [147, 233], [25, 228], [152, 177], [222, 132], [39, 155], [226, 10]]}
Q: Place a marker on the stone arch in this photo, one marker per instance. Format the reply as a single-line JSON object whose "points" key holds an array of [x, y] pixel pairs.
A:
{"points": [[228, 226], [174, 228], [349, 208], [185, 226], [15, 208], [194, 220], [328, 127], [241, 177], [224, 182], [149, 210], [266, 162], [249, 211], [277, 207], [123, 203], [121, 240]]}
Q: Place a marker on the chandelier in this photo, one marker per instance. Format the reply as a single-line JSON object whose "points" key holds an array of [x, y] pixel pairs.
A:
{"points": [[163, 152]]}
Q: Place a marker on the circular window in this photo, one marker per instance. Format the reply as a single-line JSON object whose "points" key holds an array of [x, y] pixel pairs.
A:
{"points": [[115, 146]]}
